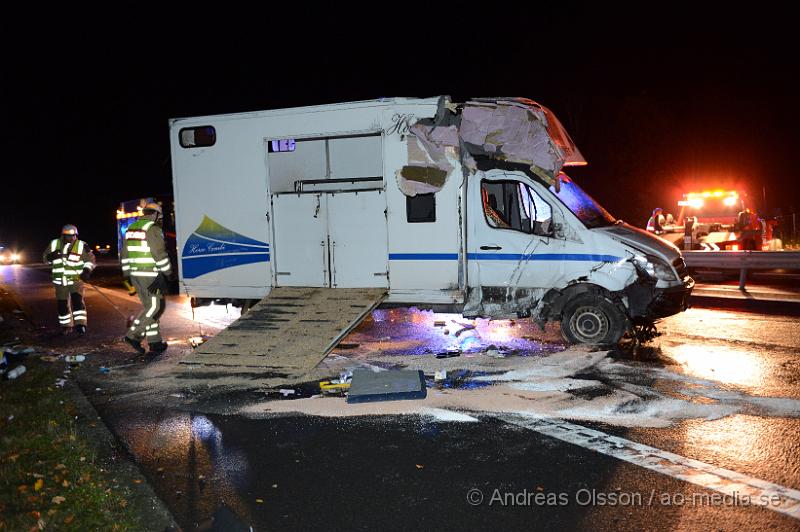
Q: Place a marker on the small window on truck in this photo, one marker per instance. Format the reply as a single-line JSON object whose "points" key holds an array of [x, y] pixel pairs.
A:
{"points": [[197, 137], [421, 208]]}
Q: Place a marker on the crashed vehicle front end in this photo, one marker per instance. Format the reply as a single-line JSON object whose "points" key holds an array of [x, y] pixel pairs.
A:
{"points": [[557, 255]]}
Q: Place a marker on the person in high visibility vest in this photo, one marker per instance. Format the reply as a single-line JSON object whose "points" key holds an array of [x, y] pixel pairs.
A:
{"points": [[656, 222], [145, 264], [72, 263]]}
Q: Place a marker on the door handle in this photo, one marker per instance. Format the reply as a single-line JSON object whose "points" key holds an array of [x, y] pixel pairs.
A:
{"points": [[490, 247]]}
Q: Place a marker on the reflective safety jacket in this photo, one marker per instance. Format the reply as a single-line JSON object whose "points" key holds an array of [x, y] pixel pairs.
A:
{"points": [[144, 253], [72, 260]]}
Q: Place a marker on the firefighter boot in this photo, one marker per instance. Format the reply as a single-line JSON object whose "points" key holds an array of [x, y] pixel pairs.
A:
{"points": [[156, 348], [136, 344]]}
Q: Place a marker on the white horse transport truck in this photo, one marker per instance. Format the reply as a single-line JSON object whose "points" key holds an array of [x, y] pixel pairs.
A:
{"points": [[311, 217]]}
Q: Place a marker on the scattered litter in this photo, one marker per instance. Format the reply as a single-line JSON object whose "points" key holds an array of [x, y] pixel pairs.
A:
{"points": [[439, 323], [195, 341], [179, 396], [390, 385], [464, 329], [104, 369], [11, 417], [449, 354], [345, 345], [495, 352], [333, 387], [462, 379], [98, 389], [384, 338], [75, 358], [16, 372], [18, 350], [286, 392], [446, 332], [61, 382], [48, 358]]}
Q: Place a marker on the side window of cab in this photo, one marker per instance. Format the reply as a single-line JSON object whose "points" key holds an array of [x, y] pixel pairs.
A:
{"points": [[515, 206]]}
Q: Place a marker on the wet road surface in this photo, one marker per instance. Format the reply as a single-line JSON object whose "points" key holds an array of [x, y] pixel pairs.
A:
{"points": [[719, 386]]}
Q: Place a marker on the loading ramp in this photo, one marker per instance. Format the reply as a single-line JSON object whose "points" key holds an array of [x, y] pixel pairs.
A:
{"points": [[291, 331]]}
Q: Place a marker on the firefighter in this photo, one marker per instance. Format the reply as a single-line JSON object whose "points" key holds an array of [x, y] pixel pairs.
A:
{"points": [[72, 264], [656, 222], [145, 264], [751, 231]]}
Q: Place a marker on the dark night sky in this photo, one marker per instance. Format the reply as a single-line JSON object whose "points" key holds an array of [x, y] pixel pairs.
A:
{"points": [[654, 103]]}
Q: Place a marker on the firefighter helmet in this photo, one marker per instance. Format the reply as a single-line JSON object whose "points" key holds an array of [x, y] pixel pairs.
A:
{"points": [[69, 230], [153, 207]]}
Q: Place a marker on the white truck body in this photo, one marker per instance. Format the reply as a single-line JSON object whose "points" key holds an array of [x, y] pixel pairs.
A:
{"points": [[341, 196]]}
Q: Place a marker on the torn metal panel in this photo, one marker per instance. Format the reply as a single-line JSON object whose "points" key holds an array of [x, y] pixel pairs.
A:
{"points": [[432, 156], [502, 302], [509, 130]]}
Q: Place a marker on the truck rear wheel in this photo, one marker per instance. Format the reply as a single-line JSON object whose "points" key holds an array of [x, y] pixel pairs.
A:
{"points": [[593, 320]]}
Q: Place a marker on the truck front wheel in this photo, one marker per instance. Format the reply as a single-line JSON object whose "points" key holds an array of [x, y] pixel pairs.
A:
{"points": [[592, 319]]}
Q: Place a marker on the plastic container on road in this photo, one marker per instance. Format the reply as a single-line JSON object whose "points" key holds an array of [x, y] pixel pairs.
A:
{"points": [[16, 372], [75, 358]]}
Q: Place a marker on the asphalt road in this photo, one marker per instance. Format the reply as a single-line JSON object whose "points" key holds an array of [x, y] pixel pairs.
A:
{"points": [[698, 431]]}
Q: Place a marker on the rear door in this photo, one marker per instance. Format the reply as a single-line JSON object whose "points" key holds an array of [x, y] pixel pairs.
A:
{"points": [[329, 207]]}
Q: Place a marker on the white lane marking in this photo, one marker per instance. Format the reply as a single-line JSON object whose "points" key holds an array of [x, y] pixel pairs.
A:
{"points": [[756, 491]]}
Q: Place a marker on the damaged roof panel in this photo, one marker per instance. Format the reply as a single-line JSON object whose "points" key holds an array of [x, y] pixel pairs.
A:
{"points": [[514, 130]]}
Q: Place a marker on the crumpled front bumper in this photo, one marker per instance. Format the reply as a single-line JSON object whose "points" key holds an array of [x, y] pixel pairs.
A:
{"points": [[669, 301]]}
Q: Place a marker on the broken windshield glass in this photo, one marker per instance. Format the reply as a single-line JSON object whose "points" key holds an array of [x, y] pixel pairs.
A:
{"points": [[588, 211]]}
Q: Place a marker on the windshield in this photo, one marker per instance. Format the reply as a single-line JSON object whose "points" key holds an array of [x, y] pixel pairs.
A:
{"points": [[582, 205]]}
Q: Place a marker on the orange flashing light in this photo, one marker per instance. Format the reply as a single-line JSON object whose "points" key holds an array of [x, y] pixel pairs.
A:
{"points": [[121, 215]]}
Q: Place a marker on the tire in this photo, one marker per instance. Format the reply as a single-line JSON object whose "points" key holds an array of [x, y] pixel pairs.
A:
{"points": [[592, 319]]}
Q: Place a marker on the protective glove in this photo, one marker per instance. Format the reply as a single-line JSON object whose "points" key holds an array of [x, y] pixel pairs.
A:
{"points": [[85, 275], [53, 255], [159, 284]]}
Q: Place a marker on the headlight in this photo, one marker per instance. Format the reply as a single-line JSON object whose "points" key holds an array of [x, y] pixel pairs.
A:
{"points": [[654, 267], [15, 257]]}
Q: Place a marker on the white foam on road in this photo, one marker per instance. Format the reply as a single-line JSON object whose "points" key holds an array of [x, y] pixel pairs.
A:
{"points": [[750, 491], [448, 415], [548, 387]]}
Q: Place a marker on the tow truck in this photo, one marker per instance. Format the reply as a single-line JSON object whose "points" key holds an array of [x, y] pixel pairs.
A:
{"points": [[718, 220]]}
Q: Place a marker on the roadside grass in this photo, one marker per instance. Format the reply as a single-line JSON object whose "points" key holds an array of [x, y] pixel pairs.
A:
{"points": [[50, 476]]}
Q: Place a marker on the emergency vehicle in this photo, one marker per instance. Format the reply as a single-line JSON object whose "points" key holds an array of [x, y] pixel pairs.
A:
{"points": [[714, 220]]}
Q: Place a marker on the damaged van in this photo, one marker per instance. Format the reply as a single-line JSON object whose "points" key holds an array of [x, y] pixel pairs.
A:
{"points": [[452, 206]]}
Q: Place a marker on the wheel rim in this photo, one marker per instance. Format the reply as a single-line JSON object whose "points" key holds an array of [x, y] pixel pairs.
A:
{"points": [[589, 324]]}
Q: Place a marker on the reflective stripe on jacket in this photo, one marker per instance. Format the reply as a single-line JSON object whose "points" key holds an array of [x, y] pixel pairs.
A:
{"points": [[139, 258], [72, 260]]}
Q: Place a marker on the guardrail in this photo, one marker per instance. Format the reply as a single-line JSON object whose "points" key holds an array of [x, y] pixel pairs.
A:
{"points": [[742, 261]]}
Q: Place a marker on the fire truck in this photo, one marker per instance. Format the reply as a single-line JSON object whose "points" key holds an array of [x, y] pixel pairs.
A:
{"points": [[719, 219]]}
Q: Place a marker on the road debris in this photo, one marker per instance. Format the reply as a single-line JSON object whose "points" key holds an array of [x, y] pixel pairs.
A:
{"points": [[391, 385], [347, 345], [16, 372]]}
